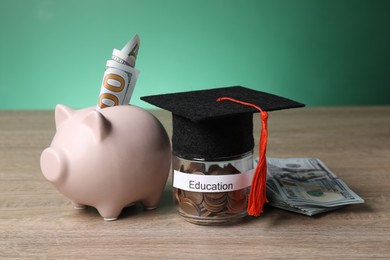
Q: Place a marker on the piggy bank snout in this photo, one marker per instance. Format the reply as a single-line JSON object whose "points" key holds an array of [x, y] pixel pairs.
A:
{"points": [[53, 165]]}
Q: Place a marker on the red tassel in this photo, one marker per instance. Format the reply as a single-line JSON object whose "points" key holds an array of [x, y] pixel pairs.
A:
{"points": [[257, 195]]}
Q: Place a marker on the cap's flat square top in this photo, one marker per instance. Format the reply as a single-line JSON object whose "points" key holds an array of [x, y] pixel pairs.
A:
{"points": [[203, 105]]}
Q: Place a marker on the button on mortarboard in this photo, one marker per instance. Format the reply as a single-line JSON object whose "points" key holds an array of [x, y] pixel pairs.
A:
{"points": [[206, 129]]}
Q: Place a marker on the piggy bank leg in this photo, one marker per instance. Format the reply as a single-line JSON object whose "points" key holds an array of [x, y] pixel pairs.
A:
{"points": [[130, 205], [78, 205], [109, 213], [152, 201]]}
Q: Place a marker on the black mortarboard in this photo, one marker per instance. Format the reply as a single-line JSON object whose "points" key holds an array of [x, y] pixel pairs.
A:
{"points": [[206, 129]]}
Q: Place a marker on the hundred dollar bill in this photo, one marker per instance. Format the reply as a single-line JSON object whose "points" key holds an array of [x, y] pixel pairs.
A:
{"points": [[306, 185], [120, 76], [128, 54]]}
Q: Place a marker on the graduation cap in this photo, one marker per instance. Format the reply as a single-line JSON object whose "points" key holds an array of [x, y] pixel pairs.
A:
{"points": [[218, 123]]}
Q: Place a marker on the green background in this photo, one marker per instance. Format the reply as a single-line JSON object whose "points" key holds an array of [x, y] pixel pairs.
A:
{"points": [[321, 53]]}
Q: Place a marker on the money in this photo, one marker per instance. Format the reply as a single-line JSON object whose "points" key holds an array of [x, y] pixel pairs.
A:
{"points": [[128, 54], [120, 76], [306, 186], [210, 206]]}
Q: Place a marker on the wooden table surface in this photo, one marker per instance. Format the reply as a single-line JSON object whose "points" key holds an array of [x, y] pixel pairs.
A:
{"points": [[36, 221]]}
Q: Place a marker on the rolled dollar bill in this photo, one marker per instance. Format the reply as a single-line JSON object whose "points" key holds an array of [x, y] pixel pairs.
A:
{"points": [[120, 76], [128, 54]]}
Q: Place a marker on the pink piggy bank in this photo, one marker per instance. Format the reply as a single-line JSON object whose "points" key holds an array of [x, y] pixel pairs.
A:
{"points": [[108, 159]]}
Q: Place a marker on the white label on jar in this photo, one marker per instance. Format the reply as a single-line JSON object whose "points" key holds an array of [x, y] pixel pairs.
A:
{"points": [[212, 183]]}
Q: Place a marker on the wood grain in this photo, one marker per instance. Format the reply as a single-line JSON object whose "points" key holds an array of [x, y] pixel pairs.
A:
{"points": [[36, 221]]}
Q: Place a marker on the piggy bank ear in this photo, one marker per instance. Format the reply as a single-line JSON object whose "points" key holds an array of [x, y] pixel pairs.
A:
{"points": [[62, 113], [99, 125]]}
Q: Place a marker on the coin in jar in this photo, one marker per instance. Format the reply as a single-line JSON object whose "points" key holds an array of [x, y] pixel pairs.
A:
{"points": [[196, 197], [189, 207], [195, 167]]}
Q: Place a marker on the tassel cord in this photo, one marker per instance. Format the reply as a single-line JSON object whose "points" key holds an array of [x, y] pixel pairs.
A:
{"points": [[257, 196]]}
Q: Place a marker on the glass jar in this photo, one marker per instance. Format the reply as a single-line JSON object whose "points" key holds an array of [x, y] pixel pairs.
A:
{"points": [[212, 192]]}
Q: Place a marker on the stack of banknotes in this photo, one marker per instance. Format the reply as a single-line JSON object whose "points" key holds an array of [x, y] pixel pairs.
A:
{"points": [[306, 186]]}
